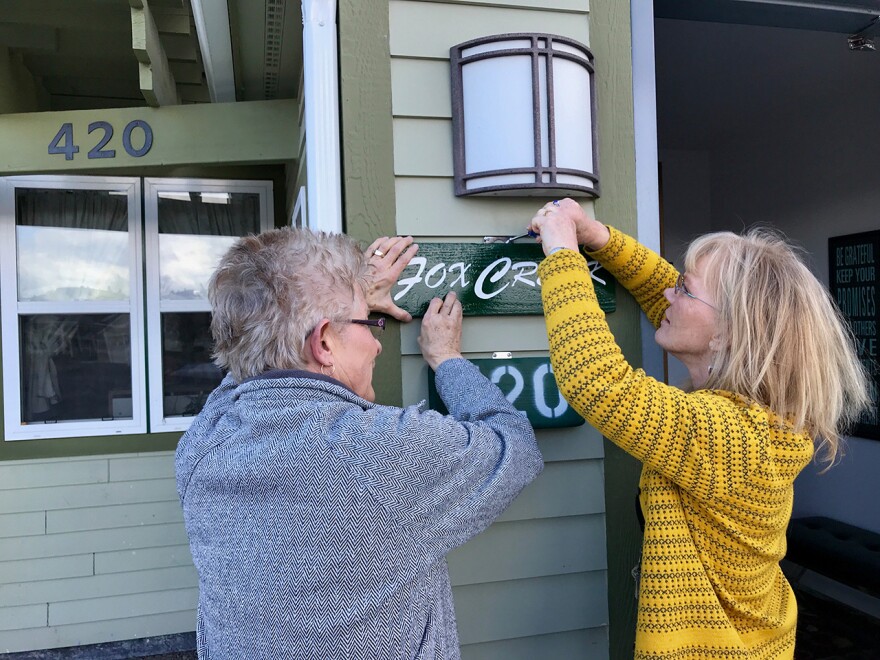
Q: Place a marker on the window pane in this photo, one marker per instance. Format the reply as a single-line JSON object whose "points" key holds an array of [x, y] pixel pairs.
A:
{"points": [[72, 245], [195, 230], [75, 367], [189, 374]]}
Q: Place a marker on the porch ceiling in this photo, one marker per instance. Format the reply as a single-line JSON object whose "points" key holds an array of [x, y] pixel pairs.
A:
{"points": [[842, 16], [82, 52]]}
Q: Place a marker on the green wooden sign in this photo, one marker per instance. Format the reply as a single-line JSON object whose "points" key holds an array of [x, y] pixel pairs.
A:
{"points": [[529, 384], [489, 278]]}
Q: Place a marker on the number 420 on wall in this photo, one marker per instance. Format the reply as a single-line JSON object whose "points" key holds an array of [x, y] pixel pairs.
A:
{"points": [[64, 143]]}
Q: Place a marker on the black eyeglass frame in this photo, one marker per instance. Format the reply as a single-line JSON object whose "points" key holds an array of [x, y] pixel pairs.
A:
{"points": [[681, 288], [373, 323]]}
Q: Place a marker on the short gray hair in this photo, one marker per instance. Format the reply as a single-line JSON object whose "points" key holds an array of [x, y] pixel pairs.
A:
{"points": [[271, 290]]}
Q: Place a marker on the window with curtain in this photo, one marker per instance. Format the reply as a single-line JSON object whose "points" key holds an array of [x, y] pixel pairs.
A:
{"points": [[80, 259], [189, 227]]}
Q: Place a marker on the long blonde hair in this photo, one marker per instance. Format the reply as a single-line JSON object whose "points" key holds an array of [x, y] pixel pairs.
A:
{"points": [[784, 342]]}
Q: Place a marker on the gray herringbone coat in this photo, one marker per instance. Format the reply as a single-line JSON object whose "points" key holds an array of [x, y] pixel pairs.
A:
{"points": [[319, 522]]}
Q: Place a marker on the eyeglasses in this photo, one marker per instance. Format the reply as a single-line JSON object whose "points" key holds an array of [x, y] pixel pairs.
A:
{"points": [[681, 288], [377, 326]]}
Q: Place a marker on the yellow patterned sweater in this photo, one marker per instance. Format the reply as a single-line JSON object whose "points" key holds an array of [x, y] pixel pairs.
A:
{"points": [[717, 481]]}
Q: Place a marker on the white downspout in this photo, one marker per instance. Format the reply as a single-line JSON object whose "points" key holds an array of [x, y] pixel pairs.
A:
{"points": [[321, 90], [645, 127]]}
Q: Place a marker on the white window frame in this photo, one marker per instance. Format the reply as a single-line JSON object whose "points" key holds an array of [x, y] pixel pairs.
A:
{"points": [[155, 306], [14, 428]]}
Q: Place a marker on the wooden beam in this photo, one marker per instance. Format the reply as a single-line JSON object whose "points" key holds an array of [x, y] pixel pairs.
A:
{"points": [[170, 22], [172, 19], [180, 48], [157, 81], [190, 73]]}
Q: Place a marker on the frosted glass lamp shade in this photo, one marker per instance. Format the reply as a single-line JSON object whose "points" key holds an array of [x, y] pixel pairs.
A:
{"points": [[524, 117]]}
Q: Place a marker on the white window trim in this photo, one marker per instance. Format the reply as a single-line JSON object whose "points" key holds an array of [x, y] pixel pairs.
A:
{"points": [[14, 429], [155, 306], [298, 217]]}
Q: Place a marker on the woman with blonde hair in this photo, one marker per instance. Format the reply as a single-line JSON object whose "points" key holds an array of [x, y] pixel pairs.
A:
{"points": [[774, 373]]}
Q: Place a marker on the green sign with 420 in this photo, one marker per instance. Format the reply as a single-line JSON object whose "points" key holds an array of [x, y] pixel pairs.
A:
{"points": [[529, 384], [489, 279]]}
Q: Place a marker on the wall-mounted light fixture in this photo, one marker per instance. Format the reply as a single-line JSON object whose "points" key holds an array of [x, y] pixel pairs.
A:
{"points": [[524, 116]]}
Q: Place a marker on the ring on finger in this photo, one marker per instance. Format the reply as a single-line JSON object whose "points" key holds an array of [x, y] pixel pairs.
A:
{"points": [[377, 252]]}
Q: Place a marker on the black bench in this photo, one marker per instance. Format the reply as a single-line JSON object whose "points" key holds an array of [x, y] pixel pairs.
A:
{"points": [[842, 552]]}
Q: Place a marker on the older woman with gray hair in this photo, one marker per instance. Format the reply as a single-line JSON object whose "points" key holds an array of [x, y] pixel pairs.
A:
{"points": [[318, 520]]}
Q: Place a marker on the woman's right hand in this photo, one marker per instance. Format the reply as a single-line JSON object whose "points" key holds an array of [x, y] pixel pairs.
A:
{"points": [[591, 233], [388, 257], [441, 331]]}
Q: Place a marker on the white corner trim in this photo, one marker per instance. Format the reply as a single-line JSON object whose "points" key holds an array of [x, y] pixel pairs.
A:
{"points": [[647, 167], [321, 95]]}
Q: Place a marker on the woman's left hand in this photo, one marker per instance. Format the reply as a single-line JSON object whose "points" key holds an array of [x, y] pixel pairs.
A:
{"points": [[388, 256], [440, 339]]}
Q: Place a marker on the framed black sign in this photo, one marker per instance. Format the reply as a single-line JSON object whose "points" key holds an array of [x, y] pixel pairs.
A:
{"points": [[853, 270], [489, 278]]}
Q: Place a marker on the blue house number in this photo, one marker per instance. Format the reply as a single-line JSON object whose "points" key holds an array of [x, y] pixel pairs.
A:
{"points": [[63, 142]]}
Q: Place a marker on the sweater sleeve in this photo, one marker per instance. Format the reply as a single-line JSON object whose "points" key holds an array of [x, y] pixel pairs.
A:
{"points": [[690, 438], [643, 272], [445, 478]]}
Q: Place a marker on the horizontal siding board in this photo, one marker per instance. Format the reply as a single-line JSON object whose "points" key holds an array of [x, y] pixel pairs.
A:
{"points": [[97, 632], [98, 586], [137, 468], [28, 616], [59, 545], [22, 524], [591, 643], [47, 568], [74, 497], [528, 549], [428, 29], [107, 517], [571, 488], [16, 475], [64, 459], [420, 88], [121, 561], [536, 606], [422, 147], [575, 6], [122, 607], [574, 443], [482, 335], [450, 216]]}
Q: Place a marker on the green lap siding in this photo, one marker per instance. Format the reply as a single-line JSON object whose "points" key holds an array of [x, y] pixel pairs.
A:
{"points": [[92, 550]]}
